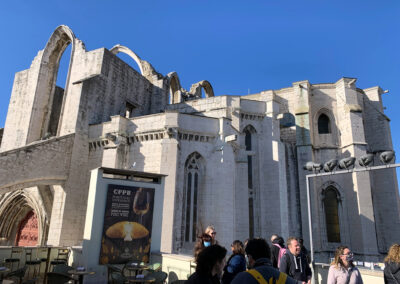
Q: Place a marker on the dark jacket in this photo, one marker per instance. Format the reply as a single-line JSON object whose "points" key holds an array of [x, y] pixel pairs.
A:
{"points": [[391, 268], [197, 278], [275, 250], [295, 267], [235, 264], [264, 267]]}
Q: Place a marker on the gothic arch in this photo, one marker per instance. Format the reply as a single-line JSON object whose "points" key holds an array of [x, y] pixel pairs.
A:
{"points": [[174, 87], [45, 121], [120, 48], [14, 207], [194, 174], [329, 136], [195, 89], [326, 187]]}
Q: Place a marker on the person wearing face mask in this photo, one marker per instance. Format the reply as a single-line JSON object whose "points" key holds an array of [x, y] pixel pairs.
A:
{"points": [[294, 263], [342, 269], [261, 269], [203, 241], [210, 263]]}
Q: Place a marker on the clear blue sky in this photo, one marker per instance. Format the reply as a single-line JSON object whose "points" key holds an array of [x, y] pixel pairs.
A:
{"points": [[236, 45]]}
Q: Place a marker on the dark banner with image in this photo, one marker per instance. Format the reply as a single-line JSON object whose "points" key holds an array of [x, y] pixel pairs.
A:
{"points": [[127, 224]]}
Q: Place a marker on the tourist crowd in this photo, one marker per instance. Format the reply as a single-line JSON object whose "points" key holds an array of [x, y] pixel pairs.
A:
{"points": [[256, 262]]}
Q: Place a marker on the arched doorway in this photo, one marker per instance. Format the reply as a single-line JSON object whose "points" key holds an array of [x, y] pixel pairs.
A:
{"points": [[28, 231]]}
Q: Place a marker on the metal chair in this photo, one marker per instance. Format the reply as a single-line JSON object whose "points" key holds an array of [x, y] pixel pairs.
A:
{"points": [[160, 276], [112, 269], [15, 257], [58, 278], [31, 261], [62, 257], [19, 274], [118, 278]]}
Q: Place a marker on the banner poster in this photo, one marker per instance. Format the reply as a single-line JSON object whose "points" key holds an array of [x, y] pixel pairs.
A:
{"points": [[127, 224]]}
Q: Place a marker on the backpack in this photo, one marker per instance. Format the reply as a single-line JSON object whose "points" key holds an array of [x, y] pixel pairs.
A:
{"points": [[282, 251]]}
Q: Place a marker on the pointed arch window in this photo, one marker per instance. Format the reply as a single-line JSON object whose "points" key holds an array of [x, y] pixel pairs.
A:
{"points": [[193, 172], [331, 206], [324, 124]]}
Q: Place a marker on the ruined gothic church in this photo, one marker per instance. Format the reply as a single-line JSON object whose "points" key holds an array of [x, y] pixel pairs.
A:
{"points": [[232, 161]]}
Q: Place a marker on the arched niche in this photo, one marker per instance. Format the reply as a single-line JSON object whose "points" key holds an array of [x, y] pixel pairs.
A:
{"points": [[14, 207], [324, 128], [174, 87], [47, 115], [123, 49]]}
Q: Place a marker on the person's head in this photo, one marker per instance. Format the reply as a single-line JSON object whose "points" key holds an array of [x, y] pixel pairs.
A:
{"points": [[210, 230], [393, 254], [237, 247], [206, 240], [294, 246], [273, 237], [211, 260], [256, 249], [343, 257]]}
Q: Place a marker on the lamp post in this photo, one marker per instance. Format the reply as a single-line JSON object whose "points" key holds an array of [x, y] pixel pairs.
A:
{"points": [[386, 157]]}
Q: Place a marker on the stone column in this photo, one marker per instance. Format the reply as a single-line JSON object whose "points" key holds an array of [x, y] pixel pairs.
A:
{"points": [[361, 213]]}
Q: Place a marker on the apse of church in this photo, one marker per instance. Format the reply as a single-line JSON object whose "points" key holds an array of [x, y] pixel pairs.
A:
{"points": [[235, 162]]}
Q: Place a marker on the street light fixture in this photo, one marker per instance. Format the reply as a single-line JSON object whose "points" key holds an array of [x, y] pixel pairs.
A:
{"points": [[330, 165], [365, 160], [386, 157], [346, 163]]}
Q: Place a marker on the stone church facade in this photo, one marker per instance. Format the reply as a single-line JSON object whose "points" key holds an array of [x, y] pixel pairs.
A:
{"points": [[232, 161]]}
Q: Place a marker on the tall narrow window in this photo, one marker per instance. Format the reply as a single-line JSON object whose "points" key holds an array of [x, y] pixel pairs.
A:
{"points": [[332, 215], [324, 125], [193, 172], [249, 147]]}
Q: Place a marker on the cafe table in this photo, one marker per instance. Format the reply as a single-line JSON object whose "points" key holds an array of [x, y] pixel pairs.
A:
{"points": [[80, 274], [3, 270], [136, 268], [140, 279]]}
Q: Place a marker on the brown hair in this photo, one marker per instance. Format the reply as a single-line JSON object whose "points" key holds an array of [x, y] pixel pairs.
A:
{"points": [[393, 254], [337, 260], [199, 246], [290, 239], [238, 247]]}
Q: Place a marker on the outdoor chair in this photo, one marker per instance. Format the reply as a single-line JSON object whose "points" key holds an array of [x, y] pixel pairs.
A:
{"points": [[31, 261], [17, 275], [42, 255], [58, 278], [63, 269], [112, 269], [118, 278], [62, 257], [15, 257], [160, 276]]}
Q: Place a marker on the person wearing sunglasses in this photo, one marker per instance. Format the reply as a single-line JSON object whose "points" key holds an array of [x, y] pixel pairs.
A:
{"points": [[210, 230], [342, 269]]}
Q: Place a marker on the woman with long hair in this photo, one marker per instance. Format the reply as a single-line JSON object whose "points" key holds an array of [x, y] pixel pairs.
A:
{"points": [[391, 273], [342, 269], [210, 263], [236, 262], [203, 241]]}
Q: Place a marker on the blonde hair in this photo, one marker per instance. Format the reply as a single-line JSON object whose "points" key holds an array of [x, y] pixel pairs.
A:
{"points": [[337, 261], [209, 228], [393, 254]]}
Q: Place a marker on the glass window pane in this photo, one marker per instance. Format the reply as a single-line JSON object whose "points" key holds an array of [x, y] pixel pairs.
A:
{"points": [[324, 124], [188, 207], [332, 216], [196, 180]]}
